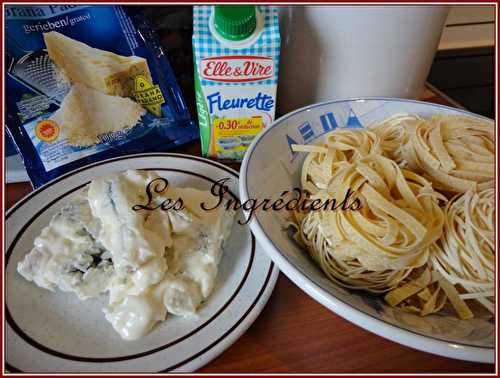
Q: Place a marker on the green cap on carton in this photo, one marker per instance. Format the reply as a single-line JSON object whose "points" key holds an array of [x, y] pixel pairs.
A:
{"points": [[235, 22]]}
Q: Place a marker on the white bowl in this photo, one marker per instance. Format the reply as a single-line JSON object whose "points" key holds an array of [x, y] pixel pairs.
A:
{"points": [[270, 167]]}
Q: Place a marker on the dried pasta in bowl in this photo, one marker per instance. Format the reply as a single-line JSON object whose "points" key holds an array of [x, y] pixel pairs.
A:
{"points": [[376, 247], [465, 252], [455, 153], [422, 236]]}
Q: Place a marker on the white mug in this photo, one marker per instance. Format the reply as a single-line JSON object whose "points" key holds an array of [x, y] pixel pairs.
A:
{"points": [[333, 52]]}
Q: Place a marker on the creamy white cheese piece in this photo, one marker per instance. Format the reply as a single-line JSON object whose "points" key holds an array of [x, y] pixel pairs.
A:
{"points": [[183, 275], [133, 237], [67, 256], [160, 260], [134, 317]]}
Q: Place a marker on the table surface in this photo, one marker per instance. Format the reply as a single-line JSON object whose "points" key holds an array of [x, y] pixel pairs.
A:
{"points": [[296, 334]]}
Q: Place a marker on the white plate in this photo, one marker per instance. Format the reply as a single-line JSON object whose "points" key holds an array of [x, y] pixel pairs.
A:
{"points": [[270, 167], [55, 332]]}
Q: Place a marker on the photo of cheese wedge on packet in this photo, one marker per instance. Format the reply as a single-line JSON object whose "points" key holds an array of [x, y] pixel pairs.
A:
{"points": [[87, 83]]}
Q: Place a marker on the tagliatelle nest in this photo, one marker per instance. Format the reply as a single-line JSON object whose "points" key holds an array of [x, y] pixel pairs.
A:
{"points": [[376, 247], [465, 253], [455, 153]]}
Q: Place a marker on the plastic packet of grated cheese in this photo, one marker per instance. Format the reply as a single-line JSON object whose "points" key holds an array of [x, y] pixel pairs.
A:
{"points": [[87, 83]]}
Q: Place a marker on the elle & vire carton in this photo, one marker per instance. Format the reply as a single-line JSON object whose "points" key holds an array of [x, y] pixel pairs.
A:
{"points": [[236, 57]]}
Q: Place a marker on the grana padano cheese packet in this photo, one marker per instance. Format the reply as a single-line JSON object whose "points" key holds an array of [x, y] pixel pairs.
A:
{"points": [[87, 83]]}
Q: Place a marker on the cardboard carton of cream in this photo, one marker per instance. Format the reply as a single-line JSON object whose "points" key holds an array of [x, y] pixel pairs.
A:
{"points": [[236, 56]]}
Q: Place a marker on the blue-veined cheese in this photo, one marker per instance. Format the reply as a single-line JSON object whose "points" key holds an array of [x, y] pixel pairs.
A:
{"points": [[153, 262], [66, 255], [134, 317]]}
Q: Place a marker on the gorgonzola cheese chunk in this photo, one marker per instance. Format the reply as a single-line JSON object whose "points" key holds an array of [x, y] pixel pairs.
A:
{"points": [[151, 262]]}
